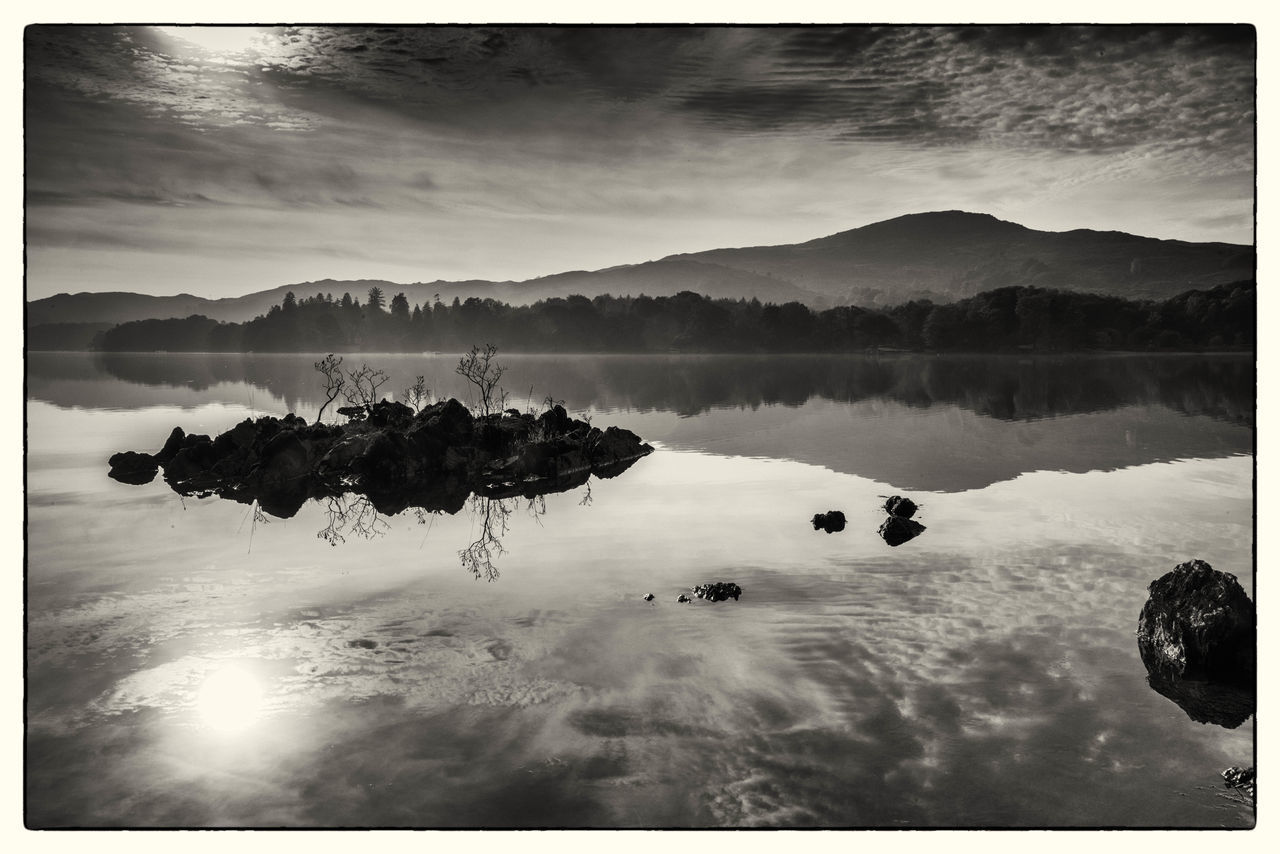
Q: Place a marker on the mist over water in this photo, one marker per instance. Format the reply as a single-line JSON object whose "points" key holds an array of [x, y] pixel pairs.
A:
{"points": [[192, 662]]}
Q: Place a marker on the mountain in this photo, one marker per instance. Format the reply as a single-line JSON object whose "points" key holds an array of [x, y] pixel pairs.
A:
{"points": [[941, 256], [654, 278], [947, 255]]}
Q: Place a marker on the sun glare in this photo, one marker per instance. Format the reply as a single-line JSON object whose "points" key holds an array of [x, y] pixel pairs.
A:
{"points": [[216, 40], [230, 699]]}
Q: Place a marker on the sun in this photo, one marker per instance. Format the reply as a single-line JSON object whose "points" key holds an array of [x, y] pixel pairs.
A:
{"points": [[216, 40]]}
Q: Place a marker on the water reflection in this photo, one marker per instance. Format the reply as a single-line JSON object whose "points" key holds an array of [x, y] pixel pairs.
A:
{"points": [[357, 516], [1007, 388], [354, 515], [1206, 702], [984, 674], [230, 700], [493, 515], [946, 424]]}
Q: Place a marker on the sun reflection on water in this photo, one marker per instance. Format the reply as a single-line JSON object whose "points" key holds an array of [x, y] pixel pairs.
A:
{"points": [[230, 700]]}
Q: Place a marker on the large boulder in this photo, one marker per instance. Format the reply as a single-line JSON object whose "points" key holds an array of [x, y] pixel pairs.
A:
{"points": [[1198, 623]]}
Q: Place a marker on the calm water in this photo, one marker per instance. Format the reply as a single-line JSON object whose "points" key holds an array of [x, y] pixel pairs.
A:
{"points": [[194, 663]]}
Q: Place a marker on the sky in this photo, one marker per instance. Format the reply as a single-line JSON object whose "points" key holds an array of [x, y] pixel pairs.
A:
{"points": [[220, 161]]}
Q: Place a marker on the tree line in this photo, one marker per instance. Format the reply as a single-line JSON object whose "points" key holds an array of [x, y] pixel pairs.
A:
{"points": [[1003, 320]]}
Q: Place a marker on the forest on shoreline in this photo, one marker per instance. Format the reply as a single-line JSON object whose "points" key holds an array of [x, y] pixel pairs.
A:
{"points": [[1007, 319]]}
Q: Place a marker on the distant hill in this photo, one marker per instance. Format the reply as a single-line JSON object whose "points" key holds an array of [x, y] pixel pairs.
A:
{"points": [[655, 278], [952, 254], [941, 256]]}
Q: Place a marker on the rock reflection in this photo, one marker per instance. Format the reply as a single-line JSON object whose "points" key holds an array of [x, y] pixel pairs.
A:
{"points": [[1206, 702]]}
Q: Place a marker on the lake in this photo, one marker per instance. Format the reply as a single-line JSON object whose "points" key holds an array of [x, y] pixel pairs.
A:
{"points": [[196, 662]]}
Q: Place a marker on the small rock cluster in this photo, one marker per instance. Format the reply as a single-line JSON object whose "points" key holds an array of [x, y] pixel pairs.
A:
{"points": [[899, 527], [896, 529], [718, 592]]}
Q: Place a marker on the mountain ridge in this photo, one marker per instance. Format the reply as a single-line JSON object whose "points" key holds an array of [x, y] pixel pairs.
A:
{"points": [[937, 255]]}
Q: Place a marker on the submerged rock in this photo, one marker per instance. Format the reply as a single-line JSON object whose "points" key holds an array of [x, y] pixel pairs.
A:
{"points": [[718, 591], [133, 468], [1199, 624], [683, 598], [831, 521], [896, 530], [433, 459], [901, 507], [648, 597]]}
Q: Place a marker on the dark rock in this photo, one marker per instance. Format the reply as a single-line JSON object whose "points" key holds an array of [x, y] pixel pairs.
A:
{"points": [[614, 445], [194, 459], [1240, 778], [901, 507], [718, 591], [1198, 623], [683, 598], [453, 420], [895, 530], [433, 460], [389, 413], [648, 597], [362, 643], [132, 467], [171, 446], [831, 521], [338, 460], [555, 421], [285, 457], [387, 459]]}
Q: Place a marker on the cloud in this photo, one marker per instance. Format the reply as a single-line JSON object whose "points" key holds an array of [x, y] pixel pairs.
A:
{"points": [[529, 150], [1051, 88]]}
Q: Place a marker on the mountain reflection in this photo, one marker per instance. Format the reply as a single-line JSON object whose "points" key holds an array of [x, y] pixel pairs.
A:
{"points": [[1002, 387], [944, 423]]}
